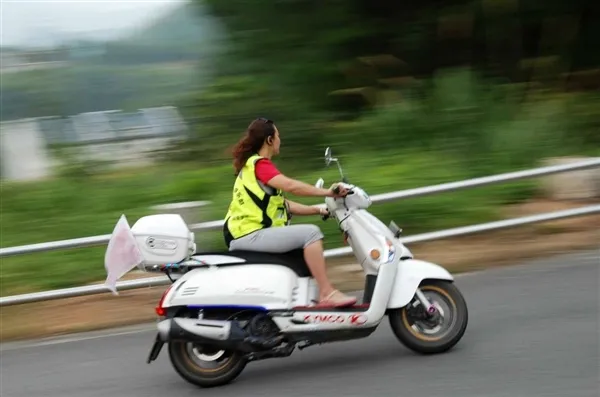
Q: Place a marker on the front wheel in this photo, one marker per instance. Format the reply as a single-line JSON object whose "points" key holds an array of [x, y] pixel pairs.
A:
{"points": [[205, 366], [432, 334]]}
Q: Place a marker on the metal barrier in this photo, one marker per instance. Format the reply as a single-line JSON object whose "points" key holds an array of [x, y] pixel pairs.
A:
{"points": [[386, 197], [337, 252]]}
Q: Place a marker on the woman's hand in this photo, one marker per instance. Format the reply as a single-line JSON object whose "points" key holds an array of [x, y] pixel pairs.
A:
{"points": [[338, 190]]}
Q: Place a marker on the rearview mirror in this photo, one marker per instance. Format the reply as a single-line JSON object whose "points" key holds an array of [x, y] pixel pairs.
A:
{"points": [[328, 158]]}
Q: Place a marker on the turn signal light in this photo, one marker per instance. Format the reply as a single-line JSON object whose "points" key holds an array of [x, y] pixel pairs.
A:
{"points": [[375, 254]]}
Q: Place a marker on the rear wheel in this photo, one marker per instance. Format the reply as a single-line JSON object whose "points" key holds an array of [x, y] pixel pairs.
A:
{"points": [[427, 334], [205, 366]]}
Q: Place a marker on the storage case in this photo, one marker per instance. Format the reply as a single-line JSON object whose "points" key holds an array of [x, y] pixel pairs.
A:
{"points": [[163, 238]]}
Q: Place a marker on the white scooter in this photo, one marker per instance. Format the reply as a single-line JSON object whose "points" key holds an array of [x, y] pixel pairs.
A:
{"points": [[226, 309]]}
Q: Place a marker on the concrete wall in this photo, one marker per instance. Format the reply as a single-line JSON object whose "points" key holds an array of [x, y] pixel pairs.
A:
{"points": [[127, 153], [574, 185], [23, 151], [123, 139]]}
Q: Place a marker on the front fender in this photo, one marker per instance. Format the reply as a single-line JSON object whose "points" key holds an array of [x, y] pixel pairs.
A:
{"points": [[408, 277]]}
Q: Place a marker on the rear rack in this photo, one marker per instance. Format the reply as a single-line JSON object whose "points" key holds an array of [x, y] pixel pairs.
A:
{"points": [[176, 268]]}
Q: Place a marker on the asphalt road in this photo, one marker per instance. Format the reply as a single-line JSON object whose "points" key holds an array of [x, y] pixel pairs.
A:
{"points": [[534, 331]]}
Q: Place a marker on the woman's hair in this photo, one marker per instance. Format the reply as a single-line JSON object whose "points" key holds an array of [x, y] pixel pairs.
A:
{"points": [[254, 137]]}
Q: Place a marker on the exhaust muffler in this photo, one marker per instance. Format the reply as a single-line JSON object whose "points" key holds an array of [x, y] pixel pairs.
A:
{"points": [[195, 330], [209, 332], [217, 333], [227, 335]]}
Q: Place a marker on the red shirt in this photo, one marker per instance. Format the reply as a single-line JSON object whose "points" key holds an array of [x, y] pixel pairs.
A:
{"points": [[265, 170]]}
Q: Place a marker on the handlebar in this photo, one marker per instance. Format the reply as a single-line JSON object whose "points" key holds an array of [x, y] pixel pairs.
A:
{"points": [[336, 190]]}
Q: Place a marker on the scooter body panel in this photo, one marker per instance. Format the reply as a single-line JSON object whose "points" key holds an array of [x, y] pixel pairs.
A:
{"points": [[266, 286], [410, 274]]}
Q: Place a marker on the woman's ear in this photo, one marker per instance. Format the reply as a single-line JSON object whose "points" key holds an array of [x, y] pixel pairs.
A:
{"points": [[269, 140]]}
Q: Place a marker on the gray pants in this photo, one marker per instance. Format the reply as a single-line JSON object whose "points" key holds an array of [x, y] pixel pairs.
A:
{"points": [[278, 239]]}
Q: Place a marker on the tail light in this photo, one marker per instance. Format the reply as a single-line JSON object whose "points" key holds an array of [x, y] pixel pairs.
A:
{"points": [[159, 309]]}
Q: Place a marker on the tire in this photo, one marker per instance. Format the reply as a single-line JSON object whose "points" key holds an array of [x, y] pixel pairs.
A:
{"points": [[187, 358], [444, 295]]}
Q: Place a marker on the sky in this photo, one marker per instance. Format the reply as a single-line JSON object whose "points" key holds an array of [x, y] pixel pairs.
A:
{"points": [[42, 22]]}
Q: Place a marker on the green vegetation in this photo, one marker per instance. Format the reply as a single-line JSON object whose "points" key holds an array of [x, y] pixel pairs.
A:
{"points": [[71, 208], [460, 78], [450, 135], [86, 87], [469, 133]]}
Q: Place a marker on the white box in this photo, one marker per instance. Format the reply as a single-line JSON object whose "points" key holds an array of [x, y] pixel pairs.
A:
{"points": [[163, 238]]}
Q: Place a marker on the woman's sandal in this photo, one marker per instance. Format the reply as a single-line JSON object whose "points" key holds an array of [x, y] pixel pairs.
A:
{"points": [[341, 300]]}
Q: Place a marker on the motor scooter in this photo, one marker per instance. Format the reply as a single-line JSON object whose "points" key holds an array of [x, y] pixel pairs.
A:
{"points": [[227, 309]]}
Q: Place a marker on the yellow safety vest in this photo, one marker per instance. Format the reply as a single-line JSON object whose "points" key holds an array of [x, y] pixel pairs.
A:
{"points": [[254, 206]]}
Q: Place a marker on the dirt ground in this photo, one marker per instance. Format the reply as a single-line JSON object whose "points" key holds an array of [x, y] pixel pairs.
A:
{"points": [[467, 253]]}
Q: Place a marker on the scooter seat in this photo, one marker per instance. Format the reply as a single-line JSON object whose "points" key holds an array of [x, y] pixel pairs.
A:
{"points": [[293, 260]]}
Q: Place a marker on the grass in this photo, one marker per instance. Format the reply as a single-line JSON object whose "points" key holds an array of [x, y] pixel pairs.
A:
{"points": [[459, 129], [65, 208]]}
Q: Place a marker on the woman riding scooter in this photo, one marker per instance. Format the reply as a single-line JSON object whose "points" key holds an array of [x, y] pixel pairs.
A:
{"points": [[258, 216]]}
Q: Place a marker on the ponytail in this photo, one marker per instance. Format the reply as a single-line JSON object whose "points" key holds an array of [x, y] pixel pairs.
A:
{"points": [[251, 142], [242, 151]]}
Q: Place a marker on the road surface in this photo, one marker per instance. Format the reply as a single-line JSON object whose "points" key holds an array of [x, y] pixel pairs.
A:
{"points": [[534, 331]]}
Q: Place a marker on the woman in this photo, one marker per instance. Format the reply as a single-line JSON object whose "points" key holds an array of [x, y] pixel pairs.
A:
{"points": [[258, 216]]}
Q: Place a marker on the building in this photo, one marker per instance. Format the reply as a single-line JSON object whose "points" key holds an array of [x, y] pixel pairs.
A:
{"points": [[122, 139]]}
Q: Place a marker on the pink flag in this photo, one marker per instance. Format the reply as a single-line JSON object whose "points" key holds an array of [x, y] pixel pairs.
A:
{"points": [[122, 254]]}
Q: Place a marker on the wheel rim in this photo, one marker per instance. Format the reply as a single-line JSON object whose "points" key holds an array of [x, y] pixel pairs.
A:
{"points": [[206, 359], [443, 322], [209, 357]]}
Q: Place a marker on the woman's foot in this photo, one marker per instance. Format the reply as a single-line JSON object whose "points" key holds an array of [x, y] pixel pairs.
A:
{"points": [[336, 299]]}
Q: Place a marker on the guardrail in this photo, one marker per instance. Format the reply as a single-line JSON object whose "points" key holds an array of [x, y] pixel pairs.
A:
{"points": [[381, 198]]}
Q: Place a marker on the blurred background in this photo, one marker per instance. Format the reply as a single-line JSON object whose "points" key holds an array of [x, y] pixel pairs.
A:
{"points": [[110, 108]]}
